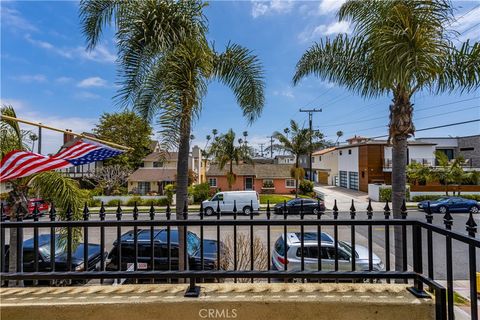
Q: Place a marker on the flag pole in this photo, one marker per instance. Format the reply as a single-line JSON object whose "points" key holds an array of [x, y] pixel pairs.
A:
{"points": [[41, 125]]}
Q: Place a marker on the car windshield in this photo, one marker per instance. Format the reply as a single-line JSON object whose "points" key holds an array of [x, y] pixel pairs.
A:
{"points": [[292, 202]]}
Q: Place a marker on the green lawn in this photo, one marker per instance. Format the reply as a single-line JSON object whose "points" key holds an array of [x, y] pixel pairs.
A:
{"points": [[278, 198]]}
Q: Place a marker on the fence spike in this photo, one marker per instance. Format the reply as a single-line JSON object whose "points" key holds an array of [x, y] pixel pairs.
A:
{"points": [[68, 213], [119, 211], [471, 225], [428, 214], [185, 210], [218, 207], [386, 210], [403, 209], [268, 209], [369, 209], [19, 213], [86, 212], [101, 213], [135, 211], [168, 211], [52, 212], [335, 210], [35, 212], [235, 207], [448, 219], [152, 211], [352, 210]]}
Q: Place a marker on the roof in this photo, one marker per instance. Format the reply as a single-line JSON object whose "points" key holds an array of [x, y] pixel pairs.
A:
{"points": [[163, 155], [259, 170], [323, 151], [153, 174], [382, 142]]}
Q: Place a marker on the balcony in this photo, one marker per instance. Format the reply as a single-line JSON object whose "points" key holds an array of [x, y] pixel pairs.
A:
{"points": [[319, 278]]}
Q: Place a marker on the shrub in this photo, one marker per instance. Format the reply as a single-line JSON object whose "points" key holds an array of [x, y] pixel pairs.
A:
{"points": [[131, 202], [386, 194], [113, 203], [169, 191], [306, 187], [200, 192], [94, 202], [435, 197]]}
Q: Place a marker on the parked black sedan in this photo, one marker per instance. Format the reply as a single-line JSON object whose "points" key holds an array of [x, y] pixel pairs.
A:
{"points": [[454, 204], [44, 255], [161, 256], [295, 206]]}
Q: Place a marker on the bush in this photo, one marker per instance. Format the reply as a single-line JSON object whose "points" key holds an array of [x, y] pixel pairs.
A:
{"points": [[200, 192], [305, 187], [113, 203], [386, 194], [131, 202], [169, 192], [94, 202], [435, 197]]}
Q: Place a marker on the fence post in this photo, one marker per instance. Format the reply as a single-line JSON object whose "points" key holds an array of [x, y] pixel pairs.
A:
{"points": [[193, 291], [417, 289]]}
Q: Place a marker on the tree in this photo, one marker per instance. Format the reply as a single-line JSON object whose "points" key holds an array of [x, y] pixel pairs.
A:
{"points": [[128, 129], [339, 135], [51, 185], [418, 173], [111, 177], [166, 66], [226, 152], [398, 47], [298, 144], [449, 172]]}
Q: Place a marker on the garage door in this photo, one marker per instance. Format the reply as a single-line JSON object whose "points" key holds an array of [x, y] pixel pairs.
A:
{"points": [[343, 179], [322, 177], [353, 180]]}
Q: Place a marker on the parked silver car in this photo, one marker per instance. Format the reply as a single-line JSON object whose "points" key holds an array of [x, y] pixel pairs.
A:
{"points": [[310, 253]]}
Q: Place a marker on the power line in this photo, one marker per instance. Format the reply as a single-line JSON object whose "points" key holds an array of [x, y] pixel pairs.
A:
{"points": [[436, 127]]}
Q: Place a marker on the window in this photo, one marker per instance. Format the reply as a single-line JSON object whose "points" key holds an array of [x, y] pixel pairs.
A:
{"points": [[212, 182], [280, 247], [79, 169], [343, 179], [143, 187], [268, 183], [319, 158], [363, 174], [340, 152], [353, 180], [157, 164], [312, 252], [349, 151], [448, 152], [313, 159], [290, 183], [467, 149], [218, 197]]}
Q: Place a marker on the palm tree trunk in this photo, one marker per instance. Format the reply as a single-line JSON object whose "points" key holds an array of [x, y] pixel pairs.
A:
{"points": [[182, 185], [401, 127]]}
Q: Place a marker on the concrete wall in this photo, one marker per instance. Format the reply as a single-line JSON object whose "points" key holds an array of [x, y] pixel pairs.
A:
{"points": [[346, 161], [257, 301]]}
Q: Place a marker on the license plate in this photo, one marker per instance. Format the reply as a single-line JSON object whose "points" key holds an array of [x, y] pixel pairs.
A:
{"points": [[140, 266]]}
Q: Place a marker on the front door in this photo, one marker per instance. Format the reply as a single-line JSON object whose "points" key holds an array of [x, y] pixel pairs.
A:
{"points": [[248, 183]]}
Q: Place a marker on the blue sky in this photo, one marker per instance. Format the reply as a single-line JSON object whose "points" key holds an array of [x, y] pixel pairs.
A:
{"points": [[47, 75]]}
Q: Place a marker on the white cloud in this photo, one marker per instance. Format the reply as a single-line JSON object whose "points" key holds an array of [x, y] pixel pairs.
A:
{"points": [[100, 54], [15, 103], [288, 93], [63, 80], [329, 6], [85, 95], [13, 19], [92, 82], [314, 33], [30, 78], [260, 8]]}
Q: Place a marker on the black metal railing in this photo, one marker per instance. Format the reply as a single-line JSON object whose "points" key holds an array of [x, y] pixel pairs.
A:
{"points": [[158, 261]]}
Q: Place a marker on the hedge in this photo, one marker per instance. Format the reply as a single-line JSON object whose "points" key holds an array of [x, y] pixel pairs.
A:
{"points": [[438, 196], [386, 194]]}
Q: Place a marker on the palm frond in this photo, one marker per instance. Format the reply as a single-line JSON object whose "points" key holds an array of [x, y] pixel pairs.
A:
{"points": [[242, 71]]}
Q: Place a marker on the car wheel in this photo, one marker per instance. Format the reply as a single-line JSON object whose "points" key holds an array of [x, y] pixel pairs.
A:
{"points": [[209, 211], [474, 209], [442, 209], [247, 210]]}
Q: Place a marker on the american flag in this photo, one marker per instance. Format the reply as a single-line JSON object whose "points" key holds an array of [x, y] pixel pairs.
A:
{"points": [[18, 164]]}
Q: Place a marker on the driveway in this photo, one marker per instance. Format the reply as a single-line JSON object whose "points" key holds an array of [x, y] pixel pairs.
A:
{"points": [[344, 198]]}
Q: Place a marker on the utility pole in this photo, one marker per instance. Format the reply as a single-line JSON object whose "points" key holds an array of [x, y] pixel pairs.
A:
{"points": [[261, 149], [310, 116], [271, 146]]}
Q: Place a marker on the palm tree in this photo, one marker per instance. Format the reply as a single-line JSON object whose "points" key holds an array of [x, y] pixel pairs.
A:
{"points": [[50, 185], [339, 135], [449, 172], [298, 144], [166, 66], [226, 152], [245, 135], [398, 47], [214, 133]]}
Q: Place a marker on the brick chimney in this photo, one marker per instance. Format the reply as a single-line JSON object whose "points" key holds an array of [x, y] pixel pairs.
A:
{"points": [[67, 137]]}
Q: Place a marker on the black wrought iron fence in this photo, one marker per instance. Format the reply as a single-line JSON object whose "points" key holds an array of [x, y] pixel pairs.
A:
{"points": [[314, 251]]}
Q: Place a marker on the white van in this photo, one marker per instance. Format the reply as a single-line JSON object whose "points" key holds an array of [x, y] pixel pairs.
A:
{"points": [[246, 202]]}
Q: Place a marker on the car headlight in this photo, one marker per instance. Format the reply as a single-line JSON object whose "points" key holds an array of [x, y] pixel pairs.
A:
{"points": [[79, 267]]}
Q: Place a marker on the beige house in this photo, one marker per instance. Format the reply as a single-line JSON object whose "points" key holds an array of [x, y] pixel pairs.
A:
{"points": [[159, 169], [325, 166]]}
